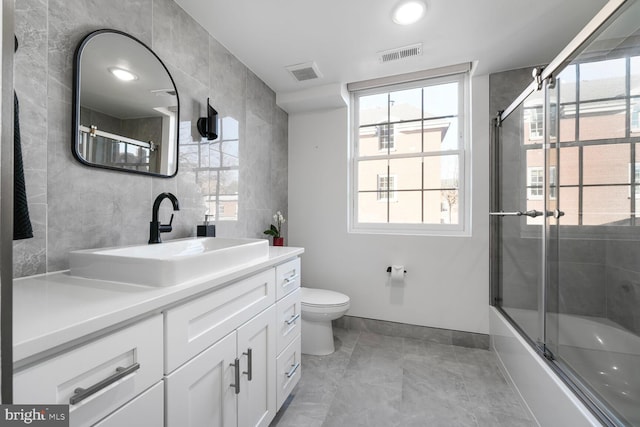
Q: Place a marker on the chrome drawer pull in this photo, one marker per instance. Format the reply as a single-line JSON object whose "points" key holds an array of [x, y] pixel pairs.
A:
{"points": [[288, 280], [293, 370], [293, 319], [82, 393], [236, 365], [249, 371]]}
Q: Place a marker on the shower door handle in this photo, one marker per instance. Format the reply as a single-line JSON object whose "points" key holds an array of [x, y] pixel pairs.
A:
{"points": [[533, 213]]}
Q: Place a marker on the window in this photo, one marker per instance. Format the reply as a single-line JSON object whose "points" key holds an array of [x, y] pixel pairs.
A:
{"points": [[535, 181], [535, 123], [635, 117], [596, 145], [216, 166], [386, 188], [408, 157], [386, 137]]}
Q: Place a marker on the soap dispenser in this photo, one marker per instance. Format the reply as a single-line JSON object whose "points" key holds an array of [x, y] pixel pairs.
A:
{"points": [[206, 229]]}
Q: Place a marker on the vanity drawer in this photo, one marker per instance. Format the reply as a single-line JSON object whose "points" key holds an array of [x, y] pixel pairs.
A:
{"points": [[287, 277], [96, 367], [288, 371], [289, 319], [192, 327], [144, 410]]}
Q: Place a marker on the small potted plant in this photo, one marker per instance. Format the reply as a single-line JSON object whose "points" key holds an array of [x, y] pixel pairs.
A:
{"points": [[275, 230]]}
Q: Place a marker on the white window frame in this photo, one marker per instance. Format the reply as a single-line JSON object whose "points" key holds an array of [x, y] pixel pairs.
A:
{"points": [[463, 227]]}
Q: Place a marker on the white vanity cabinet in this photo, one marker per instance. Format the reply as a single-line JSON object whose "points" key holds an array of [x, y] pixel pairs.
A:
{"points": [[226, 356], [231, 332], [98, 377], [232, 383]]}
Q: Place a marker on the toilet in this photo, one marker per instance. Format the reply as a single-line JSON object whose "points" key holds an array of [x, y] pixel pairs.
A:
{"points": [[319, 307]]}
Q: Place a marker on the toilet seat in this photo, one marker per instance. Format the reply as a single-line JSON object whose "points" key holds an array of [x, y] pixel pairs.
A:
{"points": [[318, 298]]}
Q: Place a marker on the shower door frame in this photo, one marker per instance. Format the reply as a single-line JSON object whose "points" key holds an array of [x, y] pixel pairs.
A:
{"points": [[544, 80]]}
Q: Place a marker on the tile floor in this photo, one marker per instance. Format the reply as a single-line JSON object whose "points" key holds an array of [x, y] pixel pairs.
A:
{"points": [[378, 380]]}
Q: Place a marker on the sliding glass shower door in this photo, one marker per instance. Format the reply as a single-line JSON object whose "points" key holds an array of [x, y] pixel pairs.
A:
{"points": [[566, 257], [518, 214]]}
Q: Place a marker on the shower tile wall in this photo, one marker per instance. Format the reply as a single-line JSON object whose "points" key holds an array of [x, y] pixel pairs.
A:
{"points": [[76, 207], [597, 276], [623, 283]]}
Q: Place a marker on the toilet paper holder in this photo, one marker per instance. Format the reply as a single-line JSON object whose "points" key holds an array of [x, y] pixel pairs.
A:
{"points": [[389, 270]]}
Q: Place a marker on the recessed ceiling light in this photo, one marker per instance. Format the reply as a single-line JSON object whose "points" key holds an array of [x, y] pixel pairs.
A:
{"points": [[408, 12], [123, 74]]}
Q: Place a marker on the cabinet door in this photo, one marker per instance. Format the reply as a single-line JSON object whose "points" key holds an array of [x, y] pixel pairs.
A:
{"points": [[199, 393], [257, 398]]}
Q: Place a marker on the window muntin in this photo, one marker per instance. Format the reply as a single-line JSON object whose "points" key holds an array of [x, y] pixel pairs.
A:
{"points": [[420, 153]]}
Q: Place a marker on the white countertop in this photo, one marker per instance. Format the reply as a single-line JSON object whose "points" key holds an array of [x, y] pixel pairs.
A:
{"points": [[56, 309]]}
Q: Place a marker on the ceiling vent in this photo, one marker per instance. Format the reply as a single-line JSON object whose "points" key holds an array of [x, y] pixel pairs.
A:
{"points": [[306, 71], [400, 53]]}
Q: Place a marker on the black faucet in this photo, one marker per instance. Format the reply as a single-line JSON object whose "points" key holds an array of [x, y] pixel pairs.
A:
{"points": [[155, 228]]}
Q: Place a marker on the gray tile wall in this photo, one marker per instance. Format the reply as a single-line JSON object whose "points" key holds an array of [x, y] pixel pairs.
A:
{"points": [[76, 207], [597, 274]]}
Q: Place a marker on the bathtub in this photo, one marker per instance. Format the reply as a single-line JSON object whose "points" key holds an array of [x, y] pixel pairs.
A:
{"points": [[546, 396], [606, 357], [601, 353]]}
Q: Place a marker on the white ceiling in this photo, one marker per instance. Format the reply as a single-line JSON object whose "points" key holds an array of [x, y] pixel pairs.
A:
{"points": [[343, 36]]}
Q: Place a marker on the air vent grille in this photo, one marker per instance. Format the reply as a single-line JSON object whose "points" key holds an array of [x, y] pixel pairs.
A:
{"points": [[400, 53], [303, 72]]}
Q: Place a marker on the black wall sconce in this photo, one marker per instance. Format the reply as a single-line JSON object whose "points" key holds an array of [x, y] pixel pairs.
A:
{"points": [[208, 126]]}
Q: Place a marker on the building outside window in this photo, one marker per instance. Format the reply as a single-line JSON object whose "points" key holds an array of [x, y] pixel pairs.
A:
{"points": [[386, 188], [596, 136], [535, 123], [635, 116], [386, 138], [409, 157]]}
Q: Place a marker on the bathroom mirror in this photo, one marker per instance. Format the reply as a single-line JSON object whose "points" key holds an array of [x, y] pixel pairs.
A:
{"points": [[125, 106]]}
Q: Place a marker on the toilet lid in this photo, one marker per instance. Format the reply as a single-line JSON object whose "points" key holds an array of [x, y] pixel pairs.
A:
{"points": [[322, 297]]}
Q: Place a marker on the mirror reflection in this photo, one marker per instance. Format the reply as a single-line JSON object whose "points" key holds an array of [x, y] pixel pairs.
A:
{"points": [[126, 107], [217, 168]]}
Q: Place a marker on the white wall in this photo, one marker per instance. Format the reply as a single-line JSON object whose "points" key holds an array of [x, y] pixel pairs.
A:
{"points": [[447, 281]]}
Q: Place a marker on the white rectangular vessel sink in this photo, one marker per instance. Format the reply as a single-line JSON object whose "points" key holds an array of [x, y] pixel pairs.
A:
{"points": [[170, 263]]}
